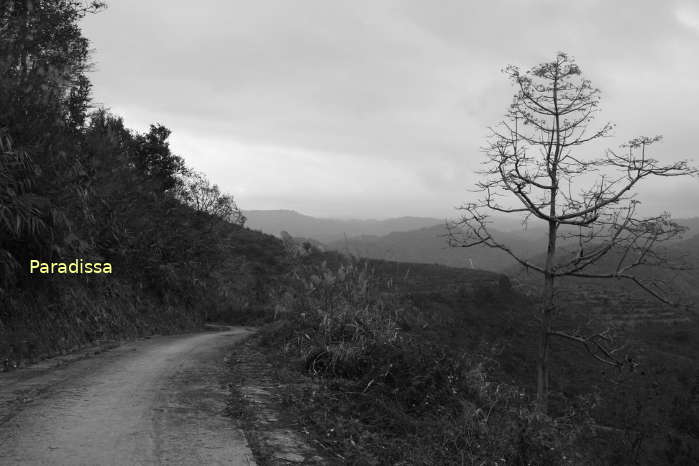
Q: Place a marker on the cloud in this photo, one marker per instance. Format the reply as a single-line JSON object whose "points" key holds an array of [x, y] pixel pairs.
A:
{"points": [[330, 106], [688, 15]]}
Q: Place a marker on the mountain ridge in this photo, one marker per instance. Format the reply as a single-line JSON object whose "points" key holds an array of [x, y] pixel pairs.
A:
{"points": [[426, 244], [330, 229]]}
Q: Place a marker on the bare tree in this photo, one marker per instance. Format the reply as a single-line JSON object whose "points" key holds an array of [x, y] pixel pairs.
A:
{"points": [[535, 168]]}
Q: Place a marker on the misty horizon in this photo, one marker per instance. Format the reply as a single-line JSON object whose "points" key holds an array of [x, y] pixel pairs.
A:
{"points": [[381, 219]]}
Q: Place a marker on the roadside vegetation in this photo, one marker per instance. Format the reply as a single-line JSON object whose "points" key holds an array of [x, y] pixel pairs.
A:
{"points": [[389, 381], [421, 364], [77, 183]]}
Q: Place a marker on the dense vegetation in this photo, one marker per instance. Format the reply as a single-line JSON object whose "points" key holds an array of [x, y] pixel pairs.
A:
{"points": [[75, 182], [425, 364]]}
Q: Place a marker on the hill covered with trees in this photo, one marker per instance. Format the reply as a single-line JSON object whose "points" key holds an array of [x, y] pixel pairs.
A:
{"points": [[77, 183]]}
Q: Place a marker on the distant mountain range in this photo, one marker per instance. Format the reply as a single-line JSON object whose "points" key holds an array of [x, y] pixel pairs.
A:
{"points": [[418, 239], [327, 230], [429, 246]]}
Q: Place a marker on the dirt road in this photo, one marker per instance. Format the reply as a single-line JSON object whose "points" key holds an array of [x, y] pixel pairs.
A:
{"points": [[156, 401]]}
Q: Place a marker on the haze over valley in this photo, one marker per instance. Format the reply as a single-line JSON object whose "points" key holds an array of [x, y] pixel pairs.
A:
{"points": [[420, 239]]}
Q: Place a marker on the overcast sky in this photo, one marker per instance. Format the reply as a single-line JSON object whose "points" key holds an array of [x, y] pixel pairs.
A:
{"points": [[378, 108]]}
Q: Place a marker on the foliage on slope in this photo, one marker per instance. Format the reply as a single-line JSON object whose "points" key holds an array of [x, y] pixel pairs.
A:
{"points": [[386, 380], [425, 364], [76, 183]]}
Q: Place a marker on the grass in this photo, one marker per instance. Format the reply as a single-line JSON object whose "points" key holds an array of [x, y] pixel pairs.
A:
{"points": [[423, 364], [385, 382]]}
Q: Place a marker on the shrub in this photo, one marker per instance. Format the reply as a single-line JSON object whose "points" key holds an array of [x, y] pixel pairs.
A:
{"points": [[382, 395]]}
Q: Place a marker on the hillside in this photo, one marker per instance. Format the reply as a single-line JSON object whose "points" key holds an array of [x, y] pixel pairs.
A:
{"points": [[607, 302], [415, 239], [622, 301], [329, 229], [77, 185], [388, 343], [429, 246]]}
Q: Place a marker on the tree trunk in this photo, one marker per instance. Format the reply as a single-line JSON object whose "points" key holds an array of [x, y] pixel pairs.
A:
{"points": [[547, 304], [547, 307], [542, 367]]}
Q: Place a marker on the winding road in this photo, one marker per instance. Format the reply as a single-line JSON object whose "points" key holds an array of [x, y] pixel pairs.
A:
{"points": [[155, 401]]}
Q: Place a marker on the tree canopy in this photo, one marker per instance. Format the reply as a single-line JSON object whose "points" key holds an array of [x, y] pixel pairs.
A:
{"points": [[75, 181]]}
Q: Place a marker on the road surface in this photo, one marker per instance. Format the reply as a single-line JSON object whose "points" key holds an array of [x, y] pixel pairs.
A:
{"points": [[155, 401]]}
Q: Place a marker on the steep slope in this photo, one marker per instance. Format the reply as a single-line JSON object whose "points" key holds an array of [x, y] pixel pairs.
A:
{"points": [[54, 314]]}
